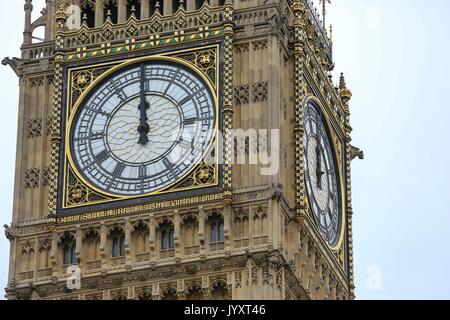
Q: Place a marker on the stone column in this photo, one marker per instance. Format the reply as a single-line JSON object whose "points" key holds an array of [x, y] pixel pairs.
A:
{"points": [[201, 230], [176, 233], [53, 255], [99, 14], [251, 226], [181, 293], [128, 228], [103, 239], [145, 9], [49, 23], [226, 227], [152, 238], [121, 11], [190, 5], [78, 242], [27, 34], [168, 7]]}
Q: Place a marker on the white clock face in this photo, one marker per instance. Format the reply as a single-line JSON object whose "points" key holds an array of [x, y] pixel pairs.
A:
{"points": [[321, 176], [143, 129]]}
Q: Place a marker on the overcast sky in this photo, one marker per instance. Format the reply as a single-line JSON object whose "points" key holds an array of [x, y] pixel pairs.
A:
{"points": [[395, 57]]}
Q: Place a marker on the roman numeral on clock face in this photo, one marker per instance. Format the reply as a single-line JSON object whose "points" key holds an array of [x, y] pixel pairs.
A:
{"points": [[102, 156], [169, 166], [190, 121], [142, 172], [185, 100], [118, 169]]}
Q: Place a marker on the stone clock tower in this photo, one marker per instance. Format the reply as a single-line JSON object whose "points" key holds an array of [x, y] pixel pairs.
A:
{"points": [[176, 149]]}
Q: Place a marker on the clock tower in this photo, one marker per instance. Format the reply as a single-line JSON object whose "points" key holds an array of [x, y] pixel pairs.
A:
{"points": [[174, 149]]}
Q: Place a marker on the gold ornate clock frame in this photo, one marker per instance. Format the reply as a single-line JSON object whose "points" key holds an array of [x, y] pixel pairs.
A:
{"points": [[81, 71]]}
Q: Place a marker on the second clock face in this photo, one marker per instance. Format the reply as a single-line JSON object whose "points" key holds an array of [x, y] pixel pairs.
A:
{"points": [[143, 129], [322, 176]]}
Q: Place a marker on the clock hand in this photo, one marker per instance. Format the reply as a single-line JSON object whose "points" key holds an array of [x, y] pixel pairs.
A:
{"points": [[319, 171], [143, 128]]}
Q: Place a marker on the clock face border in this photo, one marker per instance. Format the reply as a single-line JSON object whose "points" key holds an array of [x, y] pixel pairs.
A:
{"points": [[67, 168], [340, 172]]}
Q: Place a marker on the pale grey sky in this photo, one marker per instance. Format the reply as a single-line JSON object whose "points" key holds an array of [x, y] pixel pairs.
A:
{"points": [[395, 57]]}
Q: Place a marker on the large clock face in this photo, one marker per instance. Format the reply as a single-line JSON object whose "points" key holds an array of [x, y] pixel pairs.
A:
{"points": [[322, 176], [143, 129]]}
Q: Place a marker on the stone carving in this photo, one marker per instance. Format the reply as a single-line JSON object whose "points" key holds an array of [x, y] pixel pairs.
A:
{"points": [[32, 178], [34, 128]]}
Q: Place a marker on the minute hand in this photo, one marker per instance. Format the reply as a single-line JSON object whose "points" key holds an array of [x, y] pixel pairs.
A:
{"points": [[319, 171], [143, 128]]}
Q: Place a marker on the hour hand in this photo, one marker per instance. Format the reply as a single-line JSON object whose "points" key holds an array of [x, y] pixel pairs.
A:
{"points": [[143, 128], [319, 172]]}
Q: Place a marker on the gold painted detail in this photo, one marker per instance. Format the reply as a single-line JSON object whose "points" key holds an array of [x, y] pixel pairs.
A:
{"points": [[203, 175], [204, 60], [82, 79], [145, 208], [78, 193], [154, 41]]}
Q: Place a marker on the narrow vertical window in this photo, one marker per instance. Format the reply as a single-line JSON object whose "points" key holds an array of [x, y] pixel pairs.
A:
{"points": [[122, 246], [164, 240], [115, 249], [171, 240], [73, 256], [66, 255], [213, 232], [221, 236]]}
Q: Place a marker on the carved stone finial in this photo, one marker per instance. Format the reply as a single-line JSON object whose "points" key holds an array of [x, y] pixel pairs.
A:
{"points": [[109, 16], [157, 8], [133, 12], [181, 4], [85, 19], [342, 84], [28, 5], [345, 93]]}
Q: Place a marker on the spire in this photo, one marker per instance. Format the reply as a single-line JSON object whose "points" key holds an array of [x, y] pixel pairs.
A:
{"points": [[342, 84], [324, 11], [344, 92]]}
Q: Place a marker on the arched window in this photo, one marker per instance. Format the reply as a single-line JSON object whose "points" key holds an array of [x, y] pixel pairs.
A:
{"points": [[167, 237], [219, 291], [169, 294], [69, 254], [145, 295], [194, 293], [217, 229], [118, 246]]}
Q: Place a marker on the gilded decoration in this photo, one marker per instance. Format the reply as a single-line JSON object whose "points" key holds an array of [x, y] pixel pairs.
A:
{"points": [[76, 191]]}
